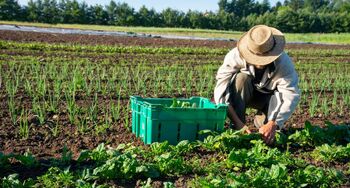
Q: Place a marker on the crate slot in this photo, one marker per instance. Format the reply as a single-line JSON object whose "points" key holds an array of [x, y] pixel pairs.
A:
{"points": [[197, 131], [159, 128], [178, 132]]}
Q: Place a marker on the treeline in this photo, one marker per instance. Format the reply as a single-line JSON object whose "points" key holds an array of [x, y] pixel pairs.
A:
{"points": [[238, 15]]}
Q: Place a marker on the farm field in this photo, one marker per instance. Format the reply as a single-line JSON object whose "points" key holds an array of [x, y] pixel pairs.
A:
{"points": [[66, 119]]}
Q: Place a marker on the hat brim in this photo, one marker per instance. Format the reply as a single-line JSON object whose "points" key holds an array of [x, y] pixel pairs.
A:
{"points": [[266, 58]]}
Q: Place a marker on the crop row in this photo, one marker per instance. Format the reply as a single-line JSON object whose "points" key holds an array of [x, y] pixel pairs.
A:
{"points": [[156, 50], [312, 78], [237, 160]]}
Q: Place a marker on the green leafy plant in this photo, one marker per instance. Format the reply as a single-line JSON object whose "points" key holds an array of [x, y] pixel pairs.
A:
{"points": [[13, 180], [327, 153], [28, 160]]}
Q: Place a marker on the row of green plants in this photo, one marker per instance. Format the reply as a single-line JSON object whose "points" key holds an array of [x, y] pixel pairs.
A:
{"points": [[107, 49], [232, 159], [46, 47], [312, 78]]}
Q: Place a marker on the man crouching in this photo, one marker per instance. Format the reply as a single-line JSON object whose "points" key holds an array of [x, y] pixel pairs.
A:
{"points": [[258, 74]]}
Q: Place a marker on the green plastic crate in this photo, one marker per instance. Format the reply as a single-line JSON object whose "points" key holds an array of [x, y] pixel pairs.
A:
{"points": [[154, 121]]}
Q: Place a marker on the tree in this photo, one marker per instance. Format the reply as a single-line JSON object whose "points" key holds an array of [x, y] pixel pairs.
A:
{"points": [[287, 19], [222, 5], [9, 10], [315, 4], [97, 15], [33, 11], [49, 12], [296, 4], [72, 11], [111, 12], [262, 8], [170, 17], [125, 15], [275, 8], [241, 8]]}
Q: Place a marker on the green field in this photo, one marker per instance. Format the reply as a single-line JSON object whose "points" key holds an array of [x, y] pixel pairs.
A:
{"points": [[66, 119], [330, 38]]}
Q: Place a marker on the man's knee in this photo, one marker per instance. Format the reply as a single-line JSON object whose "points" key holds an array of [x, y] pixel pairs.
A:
{"points": [[243, 81]]}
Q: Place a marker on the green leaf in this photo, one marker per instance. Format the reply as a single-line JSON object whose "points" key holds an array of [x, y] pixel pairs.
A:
{"points": [[148, 170], [84, 155], [168, 185]]}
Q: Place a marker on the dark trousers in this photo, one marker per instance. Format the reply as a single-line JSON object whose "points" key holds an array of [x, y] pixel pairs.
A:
{"points": [[243, 94]]}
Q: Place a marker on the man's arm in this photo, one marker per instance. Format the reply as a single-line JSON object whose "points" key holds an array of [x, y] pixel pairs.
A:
{"points": [[232, 64], [288, 94], [287, 98], [238, 124]]}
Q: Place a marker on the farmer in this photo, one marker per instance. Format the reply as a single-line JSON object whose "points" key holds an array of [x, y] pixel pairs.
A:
{"points": [[258, 74]]}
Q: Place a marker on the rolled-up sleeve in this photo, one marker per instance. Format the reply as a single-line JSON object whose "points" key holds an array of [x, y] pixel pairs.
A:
{"points": [[224, 76]]}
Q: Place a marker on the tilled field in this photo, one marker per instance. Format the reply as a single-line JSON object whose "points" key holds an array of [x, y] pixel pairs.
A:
{"points": [[68, 93]]}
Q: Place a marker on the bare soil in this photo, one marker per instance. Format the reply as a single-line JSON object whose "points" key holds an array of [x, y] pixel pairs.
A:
{"points": [[134, 41]]}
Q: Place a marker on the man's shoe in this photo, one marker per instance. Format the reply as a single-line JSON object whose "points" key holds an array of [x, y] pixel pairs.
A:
{"points": [[259, 120]]}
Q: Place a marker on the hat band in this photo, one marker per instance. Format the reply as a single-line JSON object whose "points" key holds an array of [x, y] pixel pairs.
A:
{"points": [[257, 53]]}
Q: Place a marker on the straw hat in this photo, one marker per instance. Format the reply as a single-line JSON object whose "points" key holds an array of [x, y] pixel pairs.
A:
{"points": [[261, 45]]}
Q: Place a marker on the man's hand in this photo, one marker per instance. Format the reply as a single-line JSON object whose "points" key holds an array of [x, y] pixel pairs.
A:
{"points": [[246, 129], [237, 123], [268, 132]]}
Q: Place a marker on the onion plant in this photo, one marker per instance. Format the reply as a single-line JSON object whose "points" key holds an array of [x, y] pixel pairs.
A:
{"points": [[28, 87], [313, 84], [12, 109], [325, 107], [11, 87], [24, 125], [93, 109], [53, 101], [189, 84], [170, 83], [110, 86], [115, 108], [313, 104], [346, 97], [209, 91], [107, 117], [88, 87], [39, 110], [335, 105], [57, 87], [78, 79], [41, 85], [201, 84], [1, 73], [72, 108], [54, 130], [98, 84], [82, 124], [126, 121], [157, 86]]}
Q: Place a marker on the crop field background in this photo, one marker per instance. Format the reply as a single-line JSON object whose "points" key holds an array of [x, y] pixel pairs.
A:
{"points": [[66, 120], [328, 38]]}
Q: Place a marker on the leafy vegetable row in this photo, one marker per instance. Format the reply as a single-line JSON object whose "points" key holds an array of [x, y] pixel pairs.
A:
{"points": [[232, 159]]}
